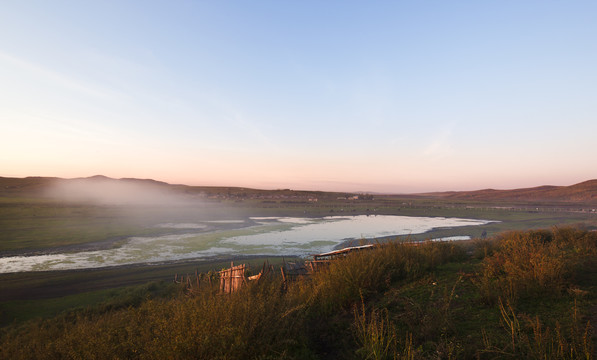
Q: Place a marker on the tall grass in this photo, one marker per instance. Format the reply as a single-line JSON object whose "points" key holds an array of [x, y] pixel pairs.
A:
{"points": [[265, 319], [246, 324], [530, 339], [378, 337], [534, 263], [370, 272], [352, 309]]}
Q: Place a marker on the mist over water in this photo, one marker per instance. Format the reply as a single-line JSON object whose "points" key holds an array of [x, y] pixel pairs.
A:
{"points": [[105, 191], [259, 236], [133, 204]]}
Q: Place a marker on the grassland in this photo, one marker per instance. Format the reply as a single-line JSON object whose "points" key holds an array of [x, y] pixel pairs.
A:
{"points": [[519, 295], [32, 220], [472, 321], [25, 296], [31, 225], [34, 224]]}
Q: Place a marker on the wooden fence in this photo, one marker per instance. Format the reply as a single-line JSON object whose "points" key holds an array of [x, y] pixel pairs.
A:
{"points": [[232, 279]]}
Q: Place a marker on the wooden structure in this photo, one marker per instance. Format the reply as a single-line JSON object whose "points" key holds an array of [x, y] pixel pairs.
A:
{"points": [[292, 271], [265, 271], [341, 253], [232, 279], [322, 261], [317, 265]]}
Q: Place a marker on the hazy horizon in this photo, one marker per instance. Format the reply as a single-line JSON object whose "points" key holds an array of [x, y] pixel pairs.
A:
{"points": [[388, 97], [80, 191]]}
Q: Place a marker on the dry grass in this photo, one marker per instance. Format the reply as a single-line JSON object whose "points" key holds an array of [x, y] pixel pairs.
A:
{"points": [[534, 263], [350, 310], [530, 339]]}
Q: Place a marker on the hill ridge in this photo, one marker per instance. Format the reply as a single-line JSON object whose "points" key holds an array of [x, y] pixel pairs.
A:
{"points": [[585, 191]]}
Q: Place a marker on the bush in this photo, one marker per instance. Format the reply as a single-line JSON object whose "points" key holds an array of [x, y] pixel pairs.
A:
{"points": [[534, 262]]}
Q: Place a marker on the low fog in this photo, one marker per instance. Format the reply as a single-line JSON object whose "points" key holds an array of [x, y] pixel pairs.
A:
{"points": [[140, 202], [106, 191]]}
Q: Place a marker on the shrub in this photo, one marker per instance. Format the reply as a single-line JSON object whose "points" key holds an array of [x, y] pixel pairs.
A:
{"points": [[483, 247], [534, 262]]}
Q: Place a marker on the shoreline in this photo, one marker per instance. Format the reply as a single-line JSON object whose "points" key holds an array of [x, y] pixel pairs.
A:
{"points": [[37, 285], [453, 231]]}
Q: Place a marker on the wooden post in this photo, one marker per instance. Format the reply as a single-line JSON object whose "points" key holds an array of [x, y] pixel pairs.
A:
{"points": [[222, 281], [283, 274]]}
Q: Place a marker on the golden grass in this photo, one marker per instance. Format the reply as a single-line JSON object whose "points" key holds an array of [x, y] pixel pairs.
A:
{"points": [[340, 312]]}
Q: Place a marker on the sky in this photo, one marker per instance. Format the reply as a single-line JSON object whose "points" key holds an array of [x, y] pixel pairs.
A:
{"points": [[378, 96]]}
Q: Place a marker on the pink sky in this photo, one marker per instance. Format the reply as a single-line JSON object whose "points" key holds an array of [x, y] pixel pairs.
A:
{"points": [[393, 97]]}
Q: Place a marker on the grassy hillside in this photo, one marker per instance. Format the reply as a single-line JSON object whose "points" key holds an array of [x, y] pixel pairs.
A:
{"points": [[585, 192], [519, 295], [36, 186]]}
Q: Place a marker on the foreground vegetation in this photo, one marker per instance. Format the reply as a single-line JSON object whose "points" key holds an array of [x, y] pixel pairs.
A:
{"points": [[526, 294]]}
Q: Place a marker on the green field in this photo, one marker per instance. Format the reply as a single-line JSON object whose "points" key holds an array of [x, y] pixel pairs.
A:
{"points": [[33, 225], [37, 224]]}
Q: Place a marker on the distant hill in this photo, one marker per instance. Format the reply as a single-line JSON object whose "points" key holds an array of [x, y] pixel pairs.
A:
{"points": [[38, 186], [35, 185], [32, 185], [584, 192]]}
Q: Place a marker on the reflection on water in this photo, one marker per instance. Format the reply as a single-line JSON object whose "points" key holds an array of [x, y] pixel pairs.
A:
{"points": [[338, 228], [271, 236]]}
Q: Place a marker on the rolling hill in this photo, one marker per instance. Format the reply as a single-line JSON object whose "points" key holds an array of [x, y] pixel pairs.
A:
{"points": [[584, 192], [35, 186]]}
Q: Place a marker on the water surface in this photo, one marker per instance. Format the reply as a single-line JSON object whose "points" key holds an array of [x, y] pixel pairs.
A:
{"points": [[261, 236]]}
